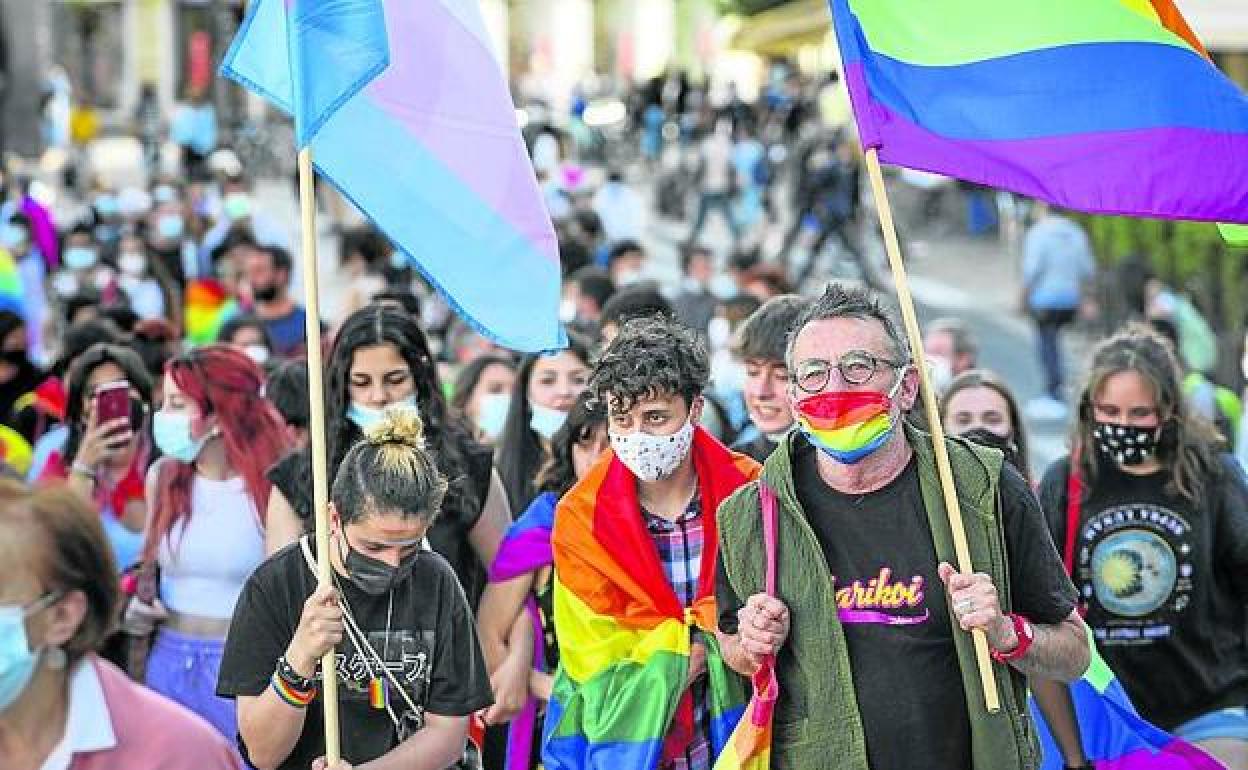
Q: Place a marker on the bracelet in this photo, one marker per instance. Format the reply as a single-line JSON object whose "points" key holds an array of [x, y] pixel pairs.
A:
{"points": [[1026, 635], [290, 676], [292, 697], [83, 470]]}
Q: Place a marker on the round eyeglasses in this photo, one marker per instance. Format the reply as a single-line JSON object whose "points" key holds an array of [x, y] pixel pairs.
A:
{"points": [[857, 367]]}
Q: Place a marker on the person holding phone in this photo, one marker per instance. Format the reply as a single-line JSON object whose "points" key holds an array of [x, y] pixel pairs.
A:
{"points": [[206, 497], [107, 451]]}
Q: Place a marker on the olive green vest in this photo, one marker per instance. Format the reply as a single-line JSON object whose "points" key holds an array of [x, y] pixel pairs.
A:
{"points": [[822, 729]]}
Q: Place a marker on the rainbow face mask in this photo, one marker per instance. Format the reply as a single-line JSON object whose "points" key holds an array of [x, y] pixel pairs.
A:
{"points": [[847, 425]]}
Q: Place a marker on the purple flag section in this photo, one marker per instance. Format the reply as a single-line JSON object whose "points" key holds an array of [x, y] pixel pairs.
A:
{"points": [[1104, 120]]}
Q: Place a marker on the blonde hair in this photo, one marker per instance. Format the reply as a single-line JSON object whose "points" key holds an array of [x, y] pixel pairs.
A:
{"points": [[390, 470]]}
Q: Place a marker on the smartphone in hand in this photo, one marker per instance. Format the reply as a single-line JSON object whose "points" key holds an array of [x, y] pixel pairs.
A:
{"points": [[112, 401]]}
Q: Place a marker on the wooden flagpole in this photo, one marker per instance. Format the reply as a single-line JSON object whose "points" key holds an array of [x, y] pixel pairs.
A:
{"points": [[316, 432], [943, 469]]}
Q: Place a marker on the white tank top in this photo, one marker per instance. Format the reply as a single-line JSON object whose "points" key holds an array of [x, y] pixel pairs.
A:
{"points": [[207, 558]]}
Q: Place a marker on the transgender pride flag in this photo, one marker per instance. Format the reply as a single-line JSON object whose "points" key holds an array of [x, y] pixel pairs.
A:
{"points": [[407, 113]]}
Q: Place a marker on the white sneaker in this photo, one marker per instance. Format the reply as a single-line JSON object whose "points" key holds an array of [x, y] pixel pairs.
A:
{"points": [[1046, 408]]}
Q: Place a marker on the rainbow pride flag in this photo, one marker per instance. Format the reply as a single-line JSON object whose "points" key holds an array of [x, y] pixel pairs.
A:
{"points": [[11, 295], [208, 306], [624, 638], [1235, 235], [15, 450], [526, 548], [407, 113], [1115, 737], [1104, 106]]}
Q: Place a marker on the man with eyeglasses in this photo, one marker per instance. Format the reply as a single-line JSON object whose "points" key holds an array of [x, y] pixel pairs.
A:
{"points": [[868, 622]]}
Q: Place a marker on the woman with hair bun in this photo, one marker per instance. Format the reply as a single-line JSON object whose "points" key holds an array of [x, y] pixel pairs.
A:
{"points": [[409, 666]]}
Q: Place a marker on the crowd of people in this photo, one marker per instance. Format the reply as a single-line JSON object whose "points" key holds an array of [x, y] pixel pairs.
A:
{"points": [[558, 559]]}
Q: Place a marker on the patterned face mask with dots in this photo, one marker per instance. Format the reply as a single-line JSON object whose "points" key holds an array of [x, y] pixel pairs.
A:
{"points": [[1125, 444], [652, 458]]}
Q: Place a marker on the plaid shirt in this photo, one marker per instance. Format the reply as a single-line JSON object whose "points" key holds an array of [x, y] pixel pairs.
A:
{"points": [[680, 545]]}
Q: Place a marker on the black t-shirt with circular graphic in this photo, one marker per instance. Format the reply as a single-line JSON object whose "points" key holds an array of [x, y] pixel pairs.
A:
{"points": [[425, 636], [1165, 584]]}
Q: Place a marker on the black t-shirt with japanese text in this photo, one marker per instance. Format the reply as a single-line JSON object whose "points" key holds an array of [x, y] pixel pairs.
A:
{"points": [[1165, 584], [893, 607], [426, 638]]}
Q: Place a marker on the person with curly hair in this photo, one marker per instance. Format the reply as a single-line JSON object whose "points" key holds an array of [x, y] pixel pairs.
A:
{"points": [[634, 556]]}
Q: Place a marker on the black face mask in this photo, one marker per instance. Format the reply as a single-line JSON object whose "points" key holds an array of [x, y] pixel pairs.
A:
{"points": [[373, 576], [1125, 444], [17, 358], [267, 294], [1004, 444]]}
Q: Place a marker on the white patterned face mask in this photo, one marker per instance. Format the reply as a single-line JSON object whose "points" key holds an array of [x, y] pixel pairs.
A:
{"points": [[652, 458], [1125, 444]]}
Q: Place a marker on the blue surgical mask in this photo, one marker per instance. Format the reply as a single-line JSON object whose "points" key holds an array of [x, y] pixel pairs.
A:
{"points": [[237, 205], [80, 257], [172, 433], [17, 659], [492, 414], [366, 417], [545, 421], [164, 194], [106, 206], [170, 226]]}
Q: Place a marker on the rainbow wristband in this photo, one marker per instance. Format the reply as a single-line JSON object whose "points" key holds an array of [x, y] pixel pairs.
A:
{"points": [[292, 697]]}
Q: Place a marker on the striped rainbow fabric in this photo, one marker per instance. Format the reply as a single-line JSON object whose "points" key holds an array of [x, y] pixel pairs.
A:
{"points": [[852, 423], [1104, 106], [407, 113], [11, 285], [1115, 737], [1236, 235], [208, 306], [749, 746], [526, 549], [624, 639]]}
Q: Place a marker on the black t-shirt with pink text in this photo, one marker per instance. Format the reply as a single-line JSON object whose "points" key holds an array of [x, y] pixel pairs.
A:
{"points": [[894, 611]]}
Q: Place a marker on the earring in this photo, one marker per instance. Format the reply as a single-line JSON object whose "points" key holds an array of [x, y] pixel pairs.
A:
{"points": [[55, 658]]}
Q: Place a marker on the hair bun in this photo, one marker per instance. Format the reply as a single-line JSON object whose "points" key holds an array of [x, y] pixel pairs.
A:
{"points": [[400, 424]]}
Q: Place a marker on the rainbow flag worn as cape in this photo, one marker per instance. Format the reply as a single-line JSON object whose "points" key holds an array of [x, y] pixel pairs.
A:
{"points": [[624, 638], [1104, 106], [526, 548], [1115, 737]]}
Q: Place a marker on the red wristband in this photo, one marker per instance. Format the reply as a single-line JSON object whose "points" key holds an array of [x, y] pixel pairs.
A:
{"points": [[1026, 635]]}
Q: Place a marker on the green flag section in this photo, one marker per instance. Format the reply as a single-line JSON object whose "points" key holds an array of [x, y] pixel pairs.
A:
{"points": [[1236, 235]]}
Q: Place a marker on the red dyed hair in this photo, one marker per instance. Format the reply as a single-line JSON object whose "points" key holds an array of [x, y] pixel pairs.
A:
{"points": [[225, 383]]}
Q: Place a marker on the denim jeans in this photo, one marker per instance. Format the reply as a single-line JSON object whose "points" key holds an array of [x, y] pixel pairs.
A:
{"points": [[1049, 323]]}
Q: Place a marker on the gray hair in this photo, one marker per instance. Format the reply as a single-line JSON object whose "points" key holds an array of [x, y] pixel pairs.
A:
{"points": [[840, 302]]}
